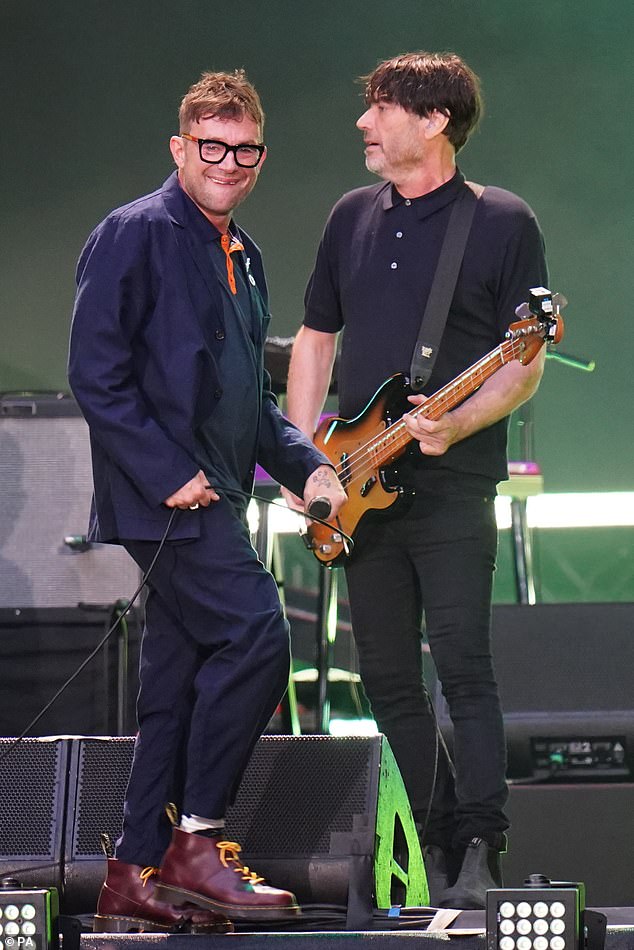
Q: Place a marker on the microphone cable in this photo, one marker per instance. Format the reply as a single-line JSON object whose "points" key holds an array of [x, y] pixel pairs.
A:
{"points": [[121, 614]]}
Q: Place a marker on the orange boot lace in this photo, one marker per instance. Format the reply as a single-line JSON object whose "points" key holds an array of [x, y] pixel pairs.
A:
{"points": [[229, 852]]}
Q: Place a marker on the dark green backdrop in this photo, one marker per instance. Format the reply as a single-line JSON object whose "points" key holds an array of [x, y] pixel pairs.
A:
{"points": [[91, 91]]}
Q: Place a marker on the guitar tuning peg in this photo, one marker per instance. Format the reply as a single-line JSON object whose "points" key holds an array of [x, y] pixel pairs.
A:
{"points": [[523, 311], [559, 301]]}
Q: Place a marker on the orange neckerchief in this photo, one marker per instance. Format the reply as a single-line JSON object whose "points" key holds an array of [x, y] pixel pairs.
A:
{"points": [[230, 244]]}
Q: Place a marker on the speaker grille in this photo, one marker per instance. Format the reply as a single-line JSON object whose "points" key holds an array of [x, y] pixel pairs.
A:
{"points": [[103, 772], [298, 791], [32, 792], [45, 473]]}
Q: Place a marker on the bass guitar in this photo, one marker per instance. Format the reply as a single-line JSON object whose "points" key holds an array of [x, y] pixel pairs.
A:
{"points": [[363, 450]]}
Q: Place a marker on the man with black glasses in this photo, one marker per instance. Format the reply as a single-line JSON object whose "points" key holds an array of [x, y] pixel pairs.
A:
{"points": [[166, 362]]}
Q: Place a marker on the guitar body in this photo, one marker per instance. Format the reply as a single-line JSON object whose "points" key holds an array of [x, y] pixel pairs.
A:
{"points": [[364, 450], [376, 488]]}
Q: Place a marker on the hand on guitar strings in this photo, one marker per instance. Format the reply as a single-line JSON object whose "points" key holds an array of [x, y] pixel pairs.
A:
{"points": [[434, 436]]}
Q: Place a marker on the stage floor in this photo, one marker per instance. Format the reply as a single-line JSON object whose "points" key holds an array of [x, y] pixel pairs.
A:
{"points": [[468, 929]]}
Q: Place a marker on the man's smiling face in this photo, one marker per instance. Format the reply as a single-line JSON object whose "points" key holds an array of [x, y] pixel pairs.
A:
{"points": [[216, 189]]}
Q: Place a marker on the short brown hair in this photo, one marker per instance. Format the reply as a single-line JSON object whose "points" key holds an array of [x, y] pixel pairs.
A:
{"points": [[423, 82], [225, 95]]}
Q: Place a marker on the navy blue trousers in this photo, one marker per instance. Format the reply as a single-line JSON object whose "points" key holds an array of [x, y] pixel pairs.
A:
{"points": [[214, 665], [439, 560]]}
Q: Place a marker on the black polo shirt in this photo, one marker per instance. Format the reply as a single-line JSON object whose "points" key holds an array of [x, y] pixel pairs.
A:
{"points": [[374, 270]]}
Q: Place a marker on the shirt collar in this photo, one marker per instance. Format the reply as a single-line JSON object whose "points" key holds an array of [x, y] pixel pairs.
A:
{"points": [[427, 204]]}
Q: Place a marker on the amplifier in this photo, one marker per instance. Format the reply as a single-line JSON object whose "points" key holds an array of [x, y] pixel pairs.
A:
{"points": [[565, 678], [46, 478]]}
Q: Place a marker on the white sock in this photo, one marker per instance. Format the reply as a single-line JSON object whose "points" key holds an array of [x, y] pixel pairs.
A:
{"points": [[192, 823]]}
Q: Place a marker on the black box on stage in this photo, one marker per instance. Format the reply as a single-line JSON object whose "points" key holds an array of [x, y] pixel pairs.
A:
{"points": [[312, 810], [582, 831], [29, 918], [99, 772], [324, 816], [33, 783], [565, 678], [41, 648], [46, 478]]}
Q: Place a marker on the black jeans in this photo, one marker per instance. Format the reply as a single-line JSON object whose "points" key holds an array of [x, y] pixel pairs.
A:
{"points": [[438, 559]]}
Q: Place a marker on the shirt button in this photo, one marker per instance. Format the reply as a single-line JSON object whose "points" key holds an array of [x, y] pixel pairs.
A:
{"points": [[217, 393], [399, 234], [393, 265], [220, 334], [408, 201]]}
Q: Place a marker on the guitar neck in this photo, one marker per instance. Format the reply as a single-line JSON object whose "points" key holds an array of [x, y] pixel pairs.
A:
{"points": [[391, 443]]}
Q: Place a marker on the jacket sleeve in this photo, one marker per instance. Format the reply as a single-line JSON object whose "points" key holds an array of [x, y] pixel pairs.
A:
{"points": [[284, 451], [113, 302]]}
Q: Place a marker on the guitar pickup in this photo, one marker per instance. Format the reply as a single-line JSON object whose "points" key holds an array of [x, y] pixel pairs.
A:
{"points": [[367, 486]]}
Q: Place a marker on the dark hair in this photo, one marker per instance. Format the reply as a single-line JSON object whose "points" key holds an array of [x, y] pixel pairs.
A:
{"points": [[225, 95], [423, 82]]}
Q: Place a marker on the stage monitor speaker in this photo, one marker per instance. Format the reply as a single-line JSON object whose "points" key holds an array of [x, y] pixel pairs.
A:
{"points": [[41, 648], [565, 678], [45, 473], [99, 772], [326, 817], [33, 784]]}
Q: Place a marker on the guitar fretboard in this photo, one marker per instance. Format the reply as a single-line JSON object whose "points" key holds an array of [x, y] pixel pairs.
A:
{"points": [[392, 442]]}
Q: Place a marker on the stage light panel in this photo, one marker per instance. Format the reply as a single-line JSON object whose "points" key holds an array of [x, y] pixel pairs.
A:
{"points": [[535, 918], [28, 918]]}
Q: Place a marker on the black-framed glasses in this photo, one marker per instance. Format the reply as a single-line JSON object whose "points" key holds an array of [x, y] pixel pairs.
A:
{"points": [[213, 151]]}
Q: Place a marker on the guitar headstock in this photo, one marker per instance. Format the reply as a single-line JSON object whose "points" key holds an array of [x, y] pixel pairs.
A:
{"points": [[540, 315]]}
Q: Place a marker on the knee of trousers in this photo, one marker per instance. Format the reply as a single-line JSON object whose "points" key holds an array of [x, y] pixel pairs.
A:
{"points": [[468, 692], [265, 643], [392, 697]]}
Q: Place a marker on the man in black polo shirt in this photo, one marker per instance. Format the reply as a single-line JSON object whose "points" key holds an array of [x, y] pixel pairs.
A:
{"points": [[374, 270]]}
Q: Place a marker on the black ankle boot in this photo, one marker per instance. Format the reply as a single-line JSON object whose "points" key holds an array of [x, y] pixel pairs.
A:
{"points": [[481, 871]]}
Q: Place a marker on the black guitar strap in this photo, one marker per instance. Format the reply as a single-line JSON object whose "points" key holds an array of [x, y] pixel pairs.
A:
{"points": [[442, 290]]}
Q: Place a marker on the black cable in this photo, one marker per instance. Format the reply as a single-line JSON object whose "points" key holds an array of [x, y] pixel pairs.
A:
{"points": [[120, 616], [439, 743], [306, 514]]}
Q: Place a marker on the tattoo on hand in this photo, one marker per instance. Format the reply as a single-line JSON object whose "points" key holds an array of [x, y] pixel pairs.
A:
{"points": [[322, 479]]}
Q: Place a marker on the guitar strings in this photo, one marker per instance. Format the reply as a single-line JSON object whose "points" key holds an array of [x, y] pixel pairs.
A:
{"points": [[359, 465], [396, 436]]}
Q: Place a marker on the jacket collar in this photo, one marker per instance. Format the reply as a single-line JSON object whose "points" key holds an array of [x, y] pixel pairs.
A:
{"points": [[197, 235]]}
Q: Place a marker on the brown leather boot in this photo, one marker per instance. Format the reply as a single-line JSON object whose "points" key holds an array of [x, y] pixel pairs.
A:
{"points": [[128, 904], [209, 873]]}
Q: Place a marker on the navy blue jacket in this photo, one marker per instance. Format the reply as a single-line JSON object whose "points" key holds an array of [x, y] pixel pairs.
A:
{"points": [[146, 335]]}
